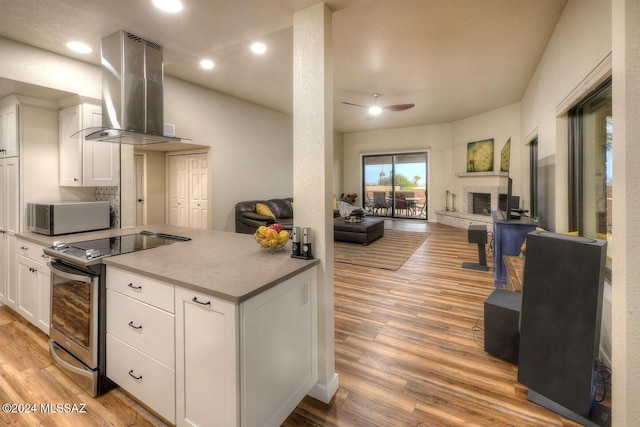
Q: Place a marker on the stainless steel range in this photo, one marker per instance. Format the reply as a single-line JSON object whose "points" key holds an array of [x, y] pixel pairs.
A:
{"points": [[78, 298]]}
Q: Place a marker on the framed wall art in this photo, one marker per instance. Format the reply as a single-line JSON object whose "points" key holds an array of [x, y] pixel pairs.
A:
{"points": [[480, 156], [505, 156]]}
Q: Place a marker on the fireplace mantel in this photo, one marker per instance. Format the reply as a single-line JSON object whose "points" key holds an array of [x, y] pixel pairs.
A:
{"points": [[481, 174]]}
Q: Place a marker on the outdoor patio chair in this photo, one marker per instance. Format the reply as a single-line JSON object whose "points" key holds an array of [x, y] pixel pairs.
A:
{"points": [[380, 202]]}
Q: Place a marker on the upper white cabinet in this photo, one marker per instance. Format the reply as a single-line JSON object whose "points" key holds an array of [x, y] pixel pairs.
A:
{"points": [[9, 131], [86, 163]]}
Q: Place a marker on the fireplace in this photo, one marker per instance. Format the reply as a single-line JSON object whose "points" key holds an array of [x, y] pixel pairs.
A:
{"points": [[481, 203], [481, 199]]}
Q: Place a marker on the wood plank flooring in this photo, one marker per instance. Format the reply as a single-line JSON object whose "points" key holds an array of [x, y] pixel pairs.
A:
{"points": [[408, 353]]}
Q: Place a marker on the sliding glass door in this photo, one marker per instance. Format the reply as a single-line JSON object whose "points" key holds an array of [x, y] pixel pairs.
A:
{"points": [[395, 185]]}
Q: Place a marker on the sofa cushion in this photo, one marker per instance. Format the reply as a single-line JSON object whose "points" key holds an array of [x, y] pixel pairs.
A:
{"points": [[265, 210], [281, 208]]}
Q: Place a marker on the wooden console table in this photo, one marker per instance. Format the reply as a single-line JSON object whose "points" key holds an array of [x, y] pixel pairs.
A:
{"points": [[515, 271]]}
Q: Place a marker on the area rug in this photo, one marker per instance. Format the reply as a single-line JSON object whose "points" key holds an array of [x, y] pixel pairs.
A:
{"points": [[388, 252]]}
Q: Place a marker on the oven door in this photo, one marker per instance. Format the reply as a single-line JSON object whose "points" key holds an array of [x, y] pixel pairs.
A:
{"points": [[74, 312]]}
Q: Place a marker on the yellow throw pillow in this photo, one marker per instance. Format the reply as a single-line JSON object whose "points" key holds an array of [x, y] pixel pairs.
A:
{"points": [[335, 203], [264, 210]]}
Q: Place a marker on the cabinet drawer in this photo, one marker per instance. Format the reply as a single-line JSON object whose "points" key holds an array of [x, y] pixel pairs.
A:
{"points": [[33, 251], [142, 288], [154, 384], [142, 326]]}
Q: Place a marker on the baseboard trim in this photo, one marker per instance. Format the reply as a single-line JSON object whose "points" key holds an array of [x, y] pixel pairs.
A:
{"points": [[325, 393]]}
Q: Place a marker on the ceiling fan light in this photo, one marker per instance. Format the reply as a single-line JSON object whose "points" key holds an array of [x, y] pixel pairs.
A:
{"points": [[375, 110]]}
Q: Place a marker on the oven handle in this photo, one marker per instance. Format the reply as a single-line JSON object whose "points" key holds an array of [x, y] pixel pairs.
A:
{"points": [[54, 353], [70, 276]]}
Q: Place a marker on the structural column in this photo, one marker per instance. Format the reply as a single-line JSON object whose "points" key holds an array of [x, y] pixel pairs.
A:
{"points": [[312, 168], [625, 245]]}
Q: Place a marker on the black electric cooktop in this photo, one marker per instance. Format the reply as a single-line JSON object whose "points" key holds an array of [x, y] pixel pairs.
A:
{"points": [[90, 250]]}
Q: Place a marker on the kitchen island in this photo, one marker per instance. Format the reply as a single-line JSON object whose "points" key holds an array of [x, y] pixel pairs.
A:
{"points": [[212, 331]]}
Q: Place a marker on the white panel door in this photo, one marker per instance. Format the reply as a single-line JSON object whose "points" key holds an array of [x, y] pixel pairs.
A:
{"points": [[179, 191], [140, 186], [198, 201]]}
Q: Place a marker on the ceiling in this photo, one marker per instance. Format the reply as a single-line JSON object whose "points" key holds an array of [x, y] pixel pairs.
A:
{"points": [[451, 58]]}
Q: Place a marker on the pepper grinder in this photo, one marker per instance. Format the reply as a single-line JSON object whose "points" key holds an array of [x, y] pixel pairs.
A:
{"points": [[295, 237], [306, 243]]}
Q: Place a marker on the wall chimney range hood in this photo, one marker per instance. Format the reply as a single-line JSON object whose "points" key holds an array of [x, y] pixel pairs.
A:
{"points": [[132, 92]]}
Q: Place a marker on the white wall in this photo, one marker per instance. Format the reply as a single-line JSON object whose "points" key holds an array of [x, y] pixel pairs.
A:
{"points": [[499, 125], [251, 146], [581, 41], [437, 139]]}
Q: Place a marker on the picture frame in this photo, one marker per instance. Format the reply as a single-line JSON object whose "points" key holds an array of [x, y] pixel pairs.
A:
{"points": [[505, 156], [480, 156]]}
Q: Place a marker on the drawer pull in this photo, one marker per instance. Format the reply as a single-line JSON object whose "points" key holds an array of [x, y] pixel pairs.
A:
{"points": [[24, 248], [139, 287], [195, 299], [131, 374], [133, 326]]}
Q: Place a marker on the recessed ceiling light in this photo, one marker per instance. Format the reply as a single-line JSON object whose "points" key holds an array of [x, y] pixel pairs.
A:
{"points": [[79, 47], [171, 6], [258, 48], [374, 110], [207, 64]]}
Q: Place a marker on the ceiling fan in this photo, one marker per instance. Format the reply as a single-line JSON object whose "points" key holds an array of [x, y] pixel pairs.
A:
{"points": [[376, 109]]}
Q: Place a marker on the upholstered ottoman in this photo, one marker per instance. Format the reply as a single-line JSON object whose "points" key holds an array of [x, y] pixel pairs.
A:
{"points": [[363, 232]]}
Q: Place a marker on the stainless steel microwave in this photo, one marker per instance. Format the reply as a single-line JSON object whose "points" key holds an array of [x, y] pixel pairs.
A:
{"points": [[53, 219]]}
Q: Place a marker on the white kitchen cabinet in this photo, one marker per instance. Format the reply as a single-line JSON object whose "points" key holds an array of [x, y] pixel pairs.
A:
{"points": [[86, 163], [141, 339], [279, 349], [33, 279], [9, 131], [9, 225], [188, 190], [206, 360], [246, 364]]}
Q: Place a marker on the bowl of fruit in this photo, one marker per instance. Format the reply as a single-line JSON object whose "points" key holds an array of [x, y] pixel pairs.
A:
{"points": [[271, 238]]}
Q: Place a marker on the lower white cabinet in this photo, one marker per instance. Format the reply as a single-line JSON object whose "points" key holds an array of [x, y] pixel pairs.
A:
{"points": [[148, 380], [206, 361], [236, 364], [141, 339], [33, 280]]}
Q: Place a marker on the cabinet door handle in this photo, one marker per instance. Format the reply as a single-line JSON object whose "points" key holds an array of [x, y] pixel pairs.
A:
{"points": [[139, 287], [133, 326], [195, 299], [24, 248], [132, 375]]}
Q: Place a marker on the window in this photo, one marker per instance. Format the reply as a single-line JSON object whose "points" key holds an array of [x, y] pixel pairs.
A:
{"points": [[395, 185], [591, 171], [533, 178]]}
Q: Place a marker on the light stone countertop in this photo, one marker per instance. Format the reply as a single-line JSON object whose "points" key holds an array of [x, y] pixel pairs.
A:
{"points": [[225, 265]]}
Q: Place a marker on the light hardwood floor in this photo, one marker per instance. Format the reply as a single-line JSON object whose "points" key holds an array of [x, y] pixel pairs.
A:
{"points": [[408, 353]]}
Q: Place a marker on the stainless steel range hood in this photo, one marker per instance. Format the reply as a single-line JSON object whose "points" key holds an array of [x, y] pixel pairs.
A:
{"points": [[132, 92]]}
